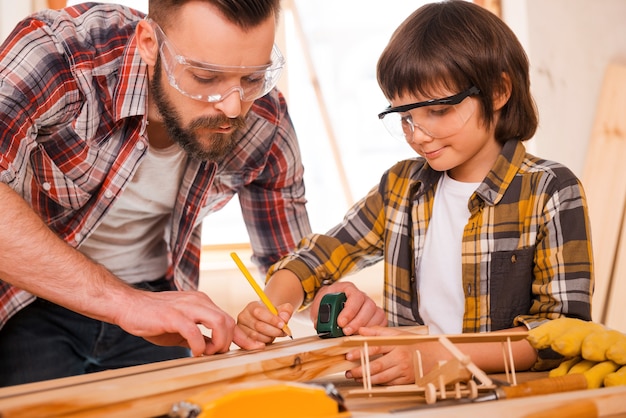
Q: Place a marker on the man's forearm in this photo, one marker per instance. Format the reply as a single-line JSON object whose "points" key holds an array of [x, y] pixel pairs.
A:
{"points": [[35, 259]]}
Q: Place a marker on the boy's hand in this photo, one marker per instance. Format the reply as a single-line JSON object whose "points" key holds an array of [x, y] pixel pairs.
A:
{"points": [[394, 364], [359, 311], [259, 324]]}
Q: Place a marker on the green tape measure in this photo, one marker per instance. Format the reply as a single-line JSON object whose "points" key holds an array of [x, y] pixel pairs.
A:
{"points": [[330, 306]]}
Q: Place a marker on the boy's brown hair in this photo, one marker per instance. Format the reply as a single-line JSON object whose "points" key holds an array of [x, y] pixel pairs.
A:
{"points": [[454, 45]]}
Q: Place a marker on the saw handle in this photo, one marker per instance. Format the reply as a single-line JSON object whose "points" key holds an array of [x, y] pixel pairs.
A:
{"points": [[545, 386]]}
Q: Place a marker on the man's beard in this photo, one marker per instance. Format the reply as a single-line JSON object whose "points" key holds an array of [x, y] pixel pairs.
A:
{"points": [[215, 145]]}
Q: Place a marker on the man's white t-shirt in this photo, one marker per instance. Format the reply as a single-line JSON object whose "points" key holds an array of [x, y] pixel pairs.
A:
{"points": [[130, 241]]}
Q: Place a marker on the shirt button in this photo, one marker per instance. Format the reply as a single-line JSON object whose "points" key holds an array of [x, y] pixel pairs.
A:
{"points": [[140, 146], [78, 237], [46, 186], [108, 194], [514, 259]]}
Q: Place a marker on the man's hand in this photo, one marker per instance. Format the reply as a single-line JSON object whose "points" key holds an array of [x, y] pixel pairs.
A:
{"points": [[172, 318], [65, 276], [359, 311]]}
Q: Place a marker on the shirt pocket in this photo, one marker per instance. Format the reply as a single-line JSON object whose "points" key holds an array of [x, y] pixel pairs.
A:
{"points": [[57, 192], [510, 282]]}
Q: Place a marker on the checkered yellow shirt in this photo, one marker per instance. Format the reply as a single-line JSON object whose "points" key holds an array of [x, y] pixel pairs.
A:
{"points": [[526, 252]]}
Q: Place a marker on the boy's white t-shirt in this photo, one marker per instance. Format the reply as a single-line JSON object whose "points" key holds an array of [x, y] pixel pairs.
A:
{"points": [[439, 283]]}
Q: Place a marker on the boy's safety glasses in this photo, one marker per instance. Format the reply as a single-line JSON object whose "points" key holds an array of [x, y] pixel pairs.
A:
{"points": [[213, 83], [437, 118]]}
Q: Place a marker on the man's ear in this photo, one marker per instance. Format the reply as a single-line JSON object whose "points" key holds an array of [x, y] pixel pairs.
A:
{"points": [[502, 96], [147, 43]]}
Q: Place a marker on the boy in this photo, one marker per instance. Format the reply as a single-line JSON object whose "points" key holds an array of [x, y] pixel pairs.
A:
{"points": [[476, 234]]}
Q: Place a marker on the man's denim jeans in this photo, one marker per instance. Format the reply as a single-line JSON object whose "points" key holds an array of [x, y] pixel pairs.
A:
{"points": [[46, 341]]}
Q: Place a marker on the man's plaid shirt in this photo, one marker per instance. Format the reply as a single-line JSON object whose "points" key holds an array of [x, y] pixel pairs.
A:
{"points": [[73, 94]]}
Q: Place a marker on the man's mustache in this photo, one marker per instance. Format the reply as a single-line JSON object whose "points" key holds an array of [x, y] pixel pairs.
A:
{"points": [[217, 122]]}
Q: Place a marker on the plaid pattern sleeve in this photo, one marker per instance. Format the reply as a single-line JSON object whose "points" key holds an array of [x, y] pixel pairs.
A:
{"points": [[265, 170], [526, 251], [59, 120], [273, 202], [72, 132]]}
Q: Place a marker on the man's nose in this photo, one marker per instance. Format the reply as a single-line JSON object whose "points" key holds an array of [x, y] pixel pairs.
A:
{"points": [[230, 105]]}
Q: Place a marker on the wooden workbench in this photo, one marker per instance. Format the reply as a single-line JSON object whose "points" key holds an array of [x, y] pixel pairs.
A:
{"points": [[151, 390]]}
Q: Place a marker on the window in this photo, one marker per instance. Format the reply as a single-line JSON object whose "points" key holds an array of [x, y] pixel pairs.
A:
{"points": [[345, 147], [337, 44]]}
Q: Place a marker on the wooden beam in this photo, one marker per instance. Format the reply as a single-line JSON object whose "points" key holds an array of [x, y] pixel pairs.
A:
{"points": [[494, 6], [291, 6], [151, 389], [56, 4], [614, 312], [604, 179]]}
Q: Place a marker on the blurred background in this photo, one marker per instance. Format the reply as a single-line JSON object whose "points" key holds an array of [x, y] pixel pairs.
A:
{"points": [[332, 47]]}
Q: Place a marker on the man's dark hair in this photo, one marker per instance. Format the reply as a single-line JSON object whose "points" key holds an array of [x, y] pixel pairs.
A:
{"points": [[244, 13]]}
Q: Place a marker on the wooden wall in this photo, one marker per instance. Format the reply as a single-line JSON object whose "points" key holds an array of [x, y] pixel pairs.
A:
{"points": [[605, 182]]}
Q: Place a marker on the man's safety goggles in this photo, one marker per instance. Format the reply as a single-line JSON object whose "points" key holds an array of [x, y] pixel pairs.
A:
{"points": [[213, 83]]}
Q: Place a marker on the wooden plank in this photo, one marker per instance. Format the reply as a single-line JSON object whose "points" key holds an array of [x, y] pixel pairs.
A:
{"points": [[159, 402], [299, 360], [107, 393], [151, 389], [403, 339], [608, 402], [604, 178], [615, 317]]}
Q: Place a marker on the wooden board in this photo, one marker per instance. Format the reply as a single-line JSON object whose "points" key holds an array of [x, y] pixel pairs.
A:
{"points": [[604, 179], [151, 390], [615, 312], [605, 402], [492, 337]]}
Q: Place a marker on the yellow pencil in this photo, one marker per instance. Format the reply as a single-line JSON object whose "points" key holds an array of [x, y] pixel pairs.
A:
{"points": [[258, 290]]}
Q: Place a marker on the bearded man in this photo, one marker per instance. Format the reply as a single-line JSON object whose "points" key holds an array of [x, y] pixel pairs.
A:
{"points": [[119, 133]]}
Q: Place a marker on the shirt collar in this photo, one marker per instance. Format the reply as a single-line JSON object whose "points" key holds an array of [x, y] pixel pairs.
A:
{"points": [[497, 181], [507, 165], [132, 85]]}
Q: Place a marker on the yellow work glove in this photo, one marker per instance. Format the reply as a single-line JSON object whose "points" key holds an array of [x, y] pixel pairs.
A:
{"points": [[617, 352], [616, 378], [570, 343], [564, 367], [564, 335], [596, 374], [589, 348], [545, 334], [596, 345]]}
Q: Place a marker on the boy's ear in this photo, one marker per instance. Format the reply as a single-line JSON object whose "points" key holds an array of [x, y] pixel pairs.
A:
{"points": [[501, 97], [147, 43]]}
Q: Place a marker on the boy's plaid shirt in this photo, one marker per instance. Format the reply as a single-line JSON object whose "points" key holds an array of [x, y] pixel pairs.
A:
{"points": [[526, 252]]}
